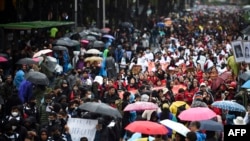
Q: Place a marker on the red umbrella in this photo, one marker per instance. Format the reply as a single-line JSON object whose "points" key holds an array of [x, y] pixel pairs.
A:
{"points": [[216, 83], [225, 75], [147, 127], [197, 114], [2, 59], [140, 105]]}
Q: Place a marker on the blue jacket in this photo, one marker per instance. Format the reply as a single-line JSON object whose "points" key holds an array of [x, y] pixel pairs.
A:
{"points": [[200, 136]]}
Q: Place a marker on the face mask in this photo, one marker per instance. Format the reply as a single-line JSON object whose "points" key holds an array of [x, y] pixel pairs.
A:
{"points": [[14, 114], [13, 127]]}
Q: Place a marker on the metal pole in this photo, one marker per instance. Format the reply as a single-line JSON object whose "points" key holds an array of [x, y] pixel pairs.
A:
{"points": [[75, 13], [103, 13], [98, 13]]}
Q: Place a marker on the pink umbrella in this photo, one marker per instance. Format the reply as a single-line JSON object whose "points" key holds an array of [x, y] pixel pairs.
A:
{"points": [[197, 114], [2, 59], [140, 105], [42, 52]]}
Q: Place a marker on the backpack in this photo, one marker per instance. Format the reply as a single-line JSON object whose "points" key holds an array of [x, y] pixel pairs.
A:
{"points": [[179, 110], [118, 104]]}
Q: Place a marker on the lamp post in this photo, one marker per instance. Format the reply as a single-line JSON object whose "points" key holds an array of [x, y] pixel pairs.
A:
{"points": [[98, 14], [75, 13], [103, 14]]}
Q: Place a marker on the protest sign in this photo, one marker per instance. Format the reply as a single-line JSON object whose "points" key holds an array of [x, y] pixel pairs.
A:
{"points": [[82, 128]]}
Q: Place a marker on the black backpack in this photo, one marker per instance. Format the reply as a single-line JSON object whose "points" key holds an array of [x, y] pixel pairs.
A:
{"points": [[179, 110]]}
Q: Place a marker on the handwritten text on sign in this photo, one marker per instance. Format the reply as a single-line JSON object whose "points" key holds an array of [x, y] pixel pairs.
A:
{"points": [[82, 128]]}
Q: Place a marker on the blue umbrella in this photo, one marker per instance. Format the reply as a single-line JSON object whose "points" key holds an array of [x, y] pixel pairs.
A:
{"points": [[229, 105], [246, 85], [211, 125], [108, 36], [161, 24]]}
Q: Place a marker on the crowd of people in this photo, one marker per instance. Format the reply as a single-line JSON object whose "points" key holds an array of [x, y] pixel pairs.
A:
{"points": [[169, 65]]}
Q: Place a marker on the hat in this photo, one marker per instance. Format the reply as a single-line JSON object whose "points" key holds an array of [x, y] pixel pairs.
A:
{"points": [[203, 84], [239, 121], [99, 79], [165, 105], [165, 90]]}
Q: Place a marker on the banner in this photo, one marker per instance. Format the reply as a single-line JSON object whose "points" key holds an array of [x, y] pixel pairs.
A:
{"points": [[79, 128]]}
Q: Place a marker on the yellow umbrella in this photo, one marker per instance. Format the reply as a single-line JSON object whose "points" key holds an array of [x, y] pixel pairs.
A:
{"points": [[93, 58]]}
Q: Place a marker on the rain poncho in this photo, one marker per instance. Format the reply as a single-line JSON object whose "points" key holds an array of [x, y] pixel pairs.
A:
{"points": [[19, 77], [25, 91]]}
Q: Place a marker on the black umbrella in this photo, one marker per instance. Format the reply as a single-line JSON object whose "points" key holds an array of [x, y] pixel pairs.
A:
{"points": [[37, 78], [98, 44], [66, 42], [26, 61], [94, 29], [127, 25], [100, 108], [60, 48], [246, 31], [90, 38]]}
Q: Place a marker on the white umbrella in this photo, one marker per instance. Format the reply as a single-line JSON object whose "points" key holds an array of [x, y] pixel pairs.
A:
{"points": [[93, 51], [41, 52], [176, 126]]}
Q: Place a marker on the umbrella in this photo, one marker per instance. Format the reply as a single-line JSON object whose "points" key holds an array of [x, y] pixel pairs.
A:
{"points": [[216, 83], [26, 61], [246, 31], [176, 126], [224, 76], [83, 33], [94, 29], [198, 103], [161, 24], [95, 34], [245, 76], [108, 36], [3, 55], [98, 44], [105, 30], [147, 127], [229, 105], [90, 38], [93, 58], [41, 52], [101, 108], [2, 59], [126, 24], [61, 48], [211, 125], [93, 51], [197, 114], [37, 78], [246, 85], [65, 41], [50, 63], [140, 105]]}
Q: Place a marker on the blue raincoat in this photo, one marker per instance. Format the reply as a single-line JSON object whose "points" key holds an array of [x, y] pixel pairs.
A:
{"points": [[19, 77], [25, 91]]}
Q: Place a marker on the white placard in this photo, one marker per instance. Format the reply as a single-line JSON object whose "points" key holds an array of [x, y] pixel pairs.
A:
{"points": [[246, 46], [238, 51], [82, 128]]}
